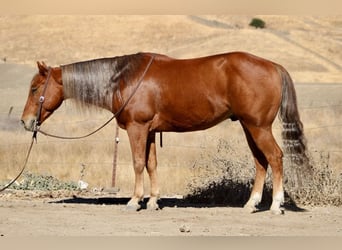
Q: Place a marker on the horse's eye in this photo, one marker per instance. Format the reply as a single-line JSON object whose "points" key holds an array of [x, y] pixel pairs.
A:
{"points": [[34, 89]]}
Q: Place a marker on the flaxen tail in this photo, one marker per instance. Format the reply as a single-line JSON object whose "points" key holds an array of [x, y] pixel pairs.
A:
{"points": [[293, 134]]}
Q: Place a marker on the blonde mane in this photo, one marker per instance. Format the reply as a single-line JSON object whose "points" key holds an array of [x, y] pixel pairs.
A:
{"points": [[94, 82]]}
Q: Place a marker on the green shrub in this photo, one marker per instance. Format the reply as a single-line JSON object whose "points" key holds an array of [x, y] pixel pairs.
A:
{"points": [[257, 23], [44, 183]]}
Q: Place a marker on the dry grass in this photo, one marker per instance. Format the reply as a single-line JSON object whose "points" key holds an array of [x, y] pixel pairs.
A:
{"points": [[228, 181], [213, 166], [218, 158]]}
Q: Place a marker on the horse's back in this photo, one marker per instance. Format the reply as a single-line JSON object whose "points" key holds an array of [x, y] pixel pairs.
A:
{"points": [[198, 93], [226, 76]]}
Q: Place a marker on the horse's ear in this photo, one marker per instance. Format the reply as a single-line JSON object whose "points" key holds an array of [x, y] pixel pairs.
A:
{"points": [[43, 68]]}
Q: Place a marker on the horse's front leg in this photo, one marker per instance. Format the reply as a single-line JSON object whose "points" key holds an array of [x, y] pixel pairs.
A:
{"points": [[137, 134]]}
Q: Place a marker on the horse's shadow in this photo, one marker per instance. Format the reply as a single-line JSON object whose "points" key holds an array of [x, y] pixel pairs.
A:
{"points": [[220, 195]]}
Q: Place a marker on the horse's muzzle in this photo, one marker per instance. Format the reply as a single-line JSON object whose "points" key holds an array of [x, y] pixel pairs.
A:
{"points": [[28, 124]]}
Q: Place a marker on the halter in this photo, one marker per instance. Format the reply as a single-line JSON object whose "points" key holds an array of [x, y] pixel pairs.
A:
{"points": [[40, 108]]}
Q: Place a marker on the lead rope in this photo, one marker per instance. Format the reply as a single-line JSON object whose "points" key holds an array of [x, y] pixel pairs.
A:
{"points": [[76, 137], [24, 166], [37, 128]]}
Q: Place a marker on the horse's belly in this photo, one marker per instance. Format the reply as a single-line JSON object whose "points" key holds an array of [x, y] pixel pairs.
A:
{"points": [[187, 121]]}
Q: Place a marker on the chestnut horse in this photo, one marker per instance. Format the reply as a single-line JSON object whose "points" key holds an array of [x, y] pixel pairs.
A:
{"points": [[151, 93]]}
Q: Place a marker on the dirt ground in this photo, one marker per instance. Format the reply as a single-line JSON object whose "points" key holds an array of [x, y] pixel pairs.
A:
{"points": [[25, 214], [309, 47]]}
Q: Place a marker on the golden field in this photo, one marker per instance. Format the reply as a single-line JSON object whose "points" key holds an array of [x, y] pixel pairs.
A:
{"points": [[309, 47]]}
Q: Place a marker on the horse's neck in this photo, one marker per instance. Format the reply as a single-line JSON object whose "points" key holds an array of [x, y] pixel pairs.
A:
{"points": [[94, 82], [89, 84]]}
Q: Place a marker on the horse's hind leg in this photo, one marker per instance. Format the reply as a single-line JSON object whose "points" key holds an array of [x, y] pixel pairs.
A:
{"points": [[151, 166], [261, 167], [265, 142]]}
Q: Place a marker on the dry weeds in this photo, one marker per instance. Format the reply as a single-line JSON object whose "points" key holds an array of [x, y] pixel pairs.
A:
{"points": [[228, 180]]}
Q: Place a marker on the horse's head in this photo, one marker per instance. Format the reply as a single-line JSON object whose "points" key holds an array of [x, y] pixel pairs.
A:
{"points": [[45, 96]]}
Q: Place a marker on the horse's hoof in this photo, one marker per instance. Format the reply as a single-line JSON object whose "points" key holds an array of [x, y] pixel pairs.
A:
{"points": [[250, 209], [152, 206], [277, 211], [133, 207]]}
